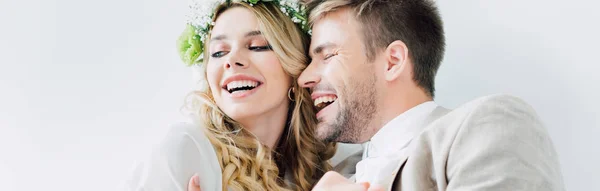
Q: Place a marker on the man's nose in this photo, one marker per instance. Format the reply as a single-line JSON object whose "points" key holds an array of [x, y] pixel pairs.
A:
{"points": [[309, 77]]}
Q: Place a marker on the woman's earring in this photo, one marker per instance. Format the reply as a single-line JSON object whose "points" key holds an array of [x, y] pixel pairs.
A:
{"points": [[290, 94]]}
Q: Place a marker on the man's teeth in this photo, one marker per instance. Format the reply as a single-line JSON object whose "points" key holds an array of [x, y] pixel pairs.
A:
{"points": [[241, 83], [325, 99]]}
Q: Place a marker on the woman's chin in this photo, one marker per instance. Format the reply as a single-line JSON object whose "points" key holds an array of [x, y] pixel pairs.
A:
{"points": [[243, 111], [249, 111]]}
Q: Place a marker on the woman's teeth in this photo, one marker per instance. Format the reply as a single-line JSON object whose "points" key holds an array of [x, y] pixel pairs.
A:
{"points": [[241, 85]]}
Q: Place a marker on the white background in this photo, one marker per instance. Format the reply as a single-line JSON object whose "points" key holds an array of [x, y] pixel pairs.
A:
{"points": [[86, 87]]}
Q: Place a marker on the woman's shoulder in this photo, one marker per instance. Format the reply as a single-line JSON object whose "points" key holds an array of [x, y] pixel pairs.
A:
{"points": [[185, 134], [186, 144], [184, 151]]}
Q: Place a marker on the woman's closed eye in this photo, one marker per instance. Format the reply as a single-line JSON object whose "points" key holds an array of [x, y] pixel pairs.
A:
{"points": [[218, 54], [260, 48]]}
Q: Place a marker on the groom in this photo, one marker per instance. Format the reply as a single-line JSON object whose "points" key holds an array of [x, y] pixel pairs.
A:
{"points": [[372, 78]]}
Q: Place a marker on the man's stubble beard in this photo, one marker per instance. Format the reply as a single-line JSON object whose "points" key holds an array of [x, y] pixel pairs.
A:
{"points": [[356, 113]]}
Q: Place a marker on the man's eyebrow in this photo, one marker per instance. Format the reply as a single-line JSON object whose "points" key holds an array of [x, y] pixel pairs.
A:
{"points": [[319, 49]]}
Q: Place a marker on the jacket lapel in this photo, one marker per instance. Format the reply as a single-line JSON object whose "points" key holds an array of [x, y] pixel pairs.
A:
{"points": [[390, 181], [394, 183]]}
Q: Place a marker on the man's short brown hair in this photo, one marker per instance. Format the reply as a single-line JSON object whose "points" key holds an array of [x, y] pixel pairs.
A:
{"points": [[417, 23]]}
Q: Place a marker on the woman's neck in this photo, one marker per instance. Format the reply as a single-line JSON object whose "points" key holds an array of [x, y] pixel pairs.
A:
{"points": [[268, 127]]}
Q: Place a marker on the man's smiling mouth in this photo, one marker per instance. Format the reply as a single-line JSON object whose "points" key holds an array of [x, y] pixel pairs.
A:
{"points": [[322, 102]]}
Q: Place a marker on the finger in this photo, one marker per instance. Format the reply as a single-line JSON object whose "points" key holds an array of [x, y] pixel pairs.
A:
{"points": [[194, 184], [335, 181], [375, 187], [328, 179], [365, 185], [333, 176]]}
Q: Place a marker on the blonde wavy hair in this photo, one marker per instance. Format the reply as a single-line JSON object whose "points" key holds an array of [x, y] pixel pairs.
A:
{"points": [[246, 163]]}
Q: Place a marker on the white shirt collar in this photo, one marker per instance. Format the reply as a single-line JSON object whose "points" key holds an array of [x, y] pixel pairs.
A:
{"points": [[397, 133]]}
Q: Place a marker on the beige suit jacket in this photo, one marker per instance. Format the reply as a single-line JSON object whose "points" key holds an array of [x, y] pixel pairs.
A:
{"points": [[492, 143]]}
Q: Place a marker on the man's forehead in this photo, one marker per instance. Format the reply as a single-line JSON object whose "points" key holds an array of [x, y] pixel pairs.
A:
{"points": [[341, 18], [333, 28]]}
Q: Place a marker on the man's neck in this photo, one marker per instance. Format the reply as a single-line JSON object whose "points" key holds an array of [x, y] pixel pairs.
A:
{"points": [[393, 107]]}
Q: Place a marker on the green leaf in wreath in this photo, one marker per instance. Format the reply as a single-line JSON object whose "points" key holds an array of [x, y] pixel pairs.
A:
{"points": [[189, 45]]}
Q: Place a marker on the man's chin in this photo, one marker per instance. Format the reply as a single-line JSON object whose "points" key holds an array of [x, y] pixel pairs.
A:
{"points": [[322, 134], [326, 133]]}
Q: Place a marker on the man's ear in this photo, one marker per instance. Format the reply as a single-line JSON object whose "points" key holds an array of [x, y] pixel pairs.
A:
{"points": [[396, 56]]}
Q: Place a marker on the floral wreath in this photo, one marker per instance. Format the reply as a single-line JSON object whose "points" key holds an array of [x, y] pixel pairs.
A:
{"points": [[200, 21]]}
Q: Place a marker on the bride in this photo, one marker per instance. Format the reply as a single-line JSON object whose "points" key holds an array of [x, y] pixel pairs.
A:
{"points": [[253, 126]]}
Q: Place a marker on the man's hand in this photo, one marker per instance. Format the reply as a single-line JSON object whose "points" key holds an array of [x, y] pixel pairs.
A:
{"points": [[194, 184], [332, 181]]}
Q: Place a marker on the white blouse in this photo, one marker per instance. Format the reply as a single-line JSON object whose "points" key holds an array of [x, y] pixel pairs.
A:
{"points": [[186, 151], [183, 152]]}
